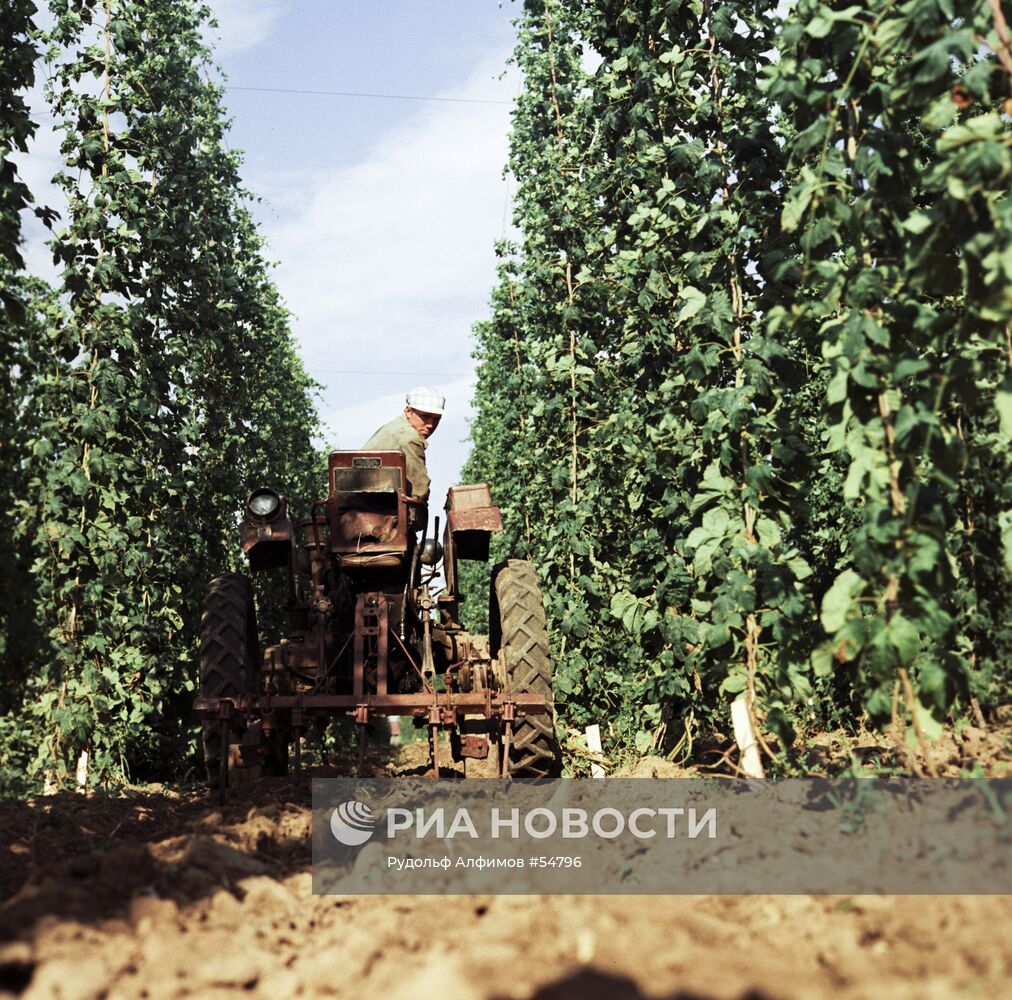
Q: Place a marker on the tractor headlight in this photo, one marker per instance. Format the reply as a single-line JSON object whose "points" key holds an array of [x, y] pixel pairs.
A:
{"points": [[264, 504]]}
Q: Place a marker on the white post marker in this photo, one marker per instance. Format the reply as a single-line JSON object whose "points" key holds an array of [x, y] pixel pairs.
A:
{"points": [[82, 770], [594, 746], [744, 736]]}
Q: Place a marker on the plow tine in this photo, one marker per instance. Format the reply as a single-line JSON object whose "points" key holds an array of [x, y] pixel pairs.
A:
{"points": [[507, 734], [434, 750], [223, 761]]}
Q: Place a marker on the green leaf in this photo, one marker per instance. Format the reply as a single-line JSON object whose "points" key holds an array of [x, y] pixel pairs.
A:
{"points": [[798, 199], [629, 610], [1003, 402], [1005, 526], [836, 391], [769, 533], [839, 602], [904, 637], [917, 223], [821, 659], [929, 725], [694, 302], [735, 682]]}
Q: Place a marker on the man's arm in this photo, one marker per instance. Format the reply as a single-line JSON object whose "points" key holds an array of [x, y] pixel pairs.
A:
{"points": [[418, 476]]}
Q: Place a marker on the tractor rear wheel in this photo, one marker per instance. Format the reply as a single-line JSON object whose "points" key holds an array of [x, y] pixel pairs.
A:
{"points": [[517, 629], [229, 658]]}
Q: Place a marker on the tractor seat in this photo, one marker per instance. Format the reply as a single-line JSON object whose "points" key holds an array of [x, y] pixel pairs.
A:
{"points": [[365, 527], [365, 532], [366, 509]]}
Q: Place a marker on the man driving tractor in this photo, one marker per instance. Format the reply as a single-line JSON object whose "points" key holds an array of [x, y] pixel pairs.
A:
{"points": [[368, 634], [408, 433]]}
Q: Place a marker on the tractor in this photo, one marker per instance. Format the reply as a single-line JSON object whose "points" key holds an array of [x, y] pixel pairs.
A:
{"points": [[371, 632]]}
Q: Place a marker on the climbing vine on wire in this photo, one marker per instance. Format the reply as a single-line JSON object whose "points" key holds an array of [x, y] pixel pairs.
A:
{"points": [[164, 385], [744, 385]]}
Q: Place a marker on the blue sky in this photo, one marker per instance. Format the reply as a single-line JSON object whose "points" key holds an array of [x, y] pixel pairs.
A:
{"points": [[380, 213], [429, 48]]}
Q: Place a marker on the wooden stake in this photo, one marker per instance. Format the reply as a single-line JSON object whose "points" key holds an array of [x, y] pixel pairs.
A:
{"points": [[744, 736], [594, 746], [82, 770]]}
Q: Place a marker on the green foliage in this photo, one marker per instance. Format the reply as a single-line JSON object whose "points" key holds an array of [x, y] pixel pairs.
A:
{"points": [[17, 73], [744, 392], [18, 327], [650, 452], [163, 385], [899, 201]]}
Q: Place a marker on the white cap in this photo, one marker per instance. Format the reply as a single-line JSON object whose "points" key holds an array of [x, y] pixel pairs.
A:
{"points": [[426, 400]]}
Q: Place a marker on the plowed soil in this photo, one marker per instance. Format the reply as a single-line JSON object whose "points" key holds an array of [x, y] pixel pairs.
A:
{"points": [[166, 894]]}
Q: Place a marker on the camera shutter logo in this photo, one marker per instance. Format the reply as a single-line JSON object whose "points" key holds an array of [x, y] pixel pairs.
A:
{"points": [[352, 823]]}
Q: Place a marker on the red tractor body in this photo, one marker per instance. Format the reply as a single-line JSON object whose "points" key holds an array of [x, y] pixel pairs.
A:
{"points": [[366, 635]]}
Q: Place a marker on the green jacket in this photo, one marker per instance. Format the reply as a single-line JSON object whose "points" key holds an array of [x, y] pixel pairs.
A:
{"points": [[399, 435]]}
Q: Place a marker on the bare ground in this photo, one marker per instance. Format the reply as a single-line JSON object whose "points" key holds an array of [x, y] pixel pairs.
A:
{"points": [[166, 894]]}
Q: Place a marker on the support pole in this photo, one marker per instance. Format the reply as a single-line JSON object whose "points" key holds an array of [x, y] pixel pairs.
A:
{"points": [[434, 749]]}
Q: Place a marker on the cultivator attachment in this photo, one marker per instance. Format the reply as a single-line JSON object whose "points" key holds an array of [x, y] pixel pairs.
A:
{"points": [[370, 634]]}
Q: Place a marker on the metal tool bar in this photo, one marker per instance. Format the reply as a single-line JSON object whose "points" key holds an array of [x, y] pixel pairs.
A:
{"points": [[479, 702]]}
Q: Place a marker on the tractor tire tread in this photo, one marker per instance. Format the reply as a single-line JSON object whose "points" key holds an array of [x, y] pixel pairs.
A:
{"points": [[223, 636], [534, 750]]}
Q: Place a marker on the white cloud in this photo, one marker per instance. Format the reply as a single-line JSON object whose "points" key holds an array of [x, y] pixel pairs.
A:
{"points": [[242, 24], [399, 242], [387, 263]]}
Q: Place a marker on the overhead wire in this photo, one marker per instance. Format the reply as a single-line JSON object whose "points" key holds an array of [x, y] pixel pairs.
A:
{"points": [[351, 93], [349, 371]]}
